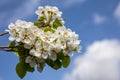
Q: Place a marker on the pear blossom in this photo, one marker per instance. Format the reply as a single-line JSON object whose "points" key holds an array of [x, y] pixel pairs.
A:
{"points": [[31, 61], [48, 10], [41, 44], [14, 31], [50, 14]]}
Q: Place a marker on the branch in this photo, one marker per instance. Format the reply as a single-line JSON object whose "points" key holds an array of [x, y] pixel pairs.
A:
{"points": [[4, 33], [5, 48]]}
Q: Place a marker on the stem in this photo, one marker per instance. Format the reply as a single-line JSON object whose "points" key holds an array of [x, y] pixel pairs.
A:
{"points": [[6, 48], [4, 33]]}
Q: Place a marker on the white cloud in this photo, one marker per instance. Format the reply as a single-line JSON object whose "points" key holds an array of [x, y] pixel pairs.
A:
{"points": [[69, 3], [100, 62], [99, 19], [26, 9], [23, 11], [117, 12]]}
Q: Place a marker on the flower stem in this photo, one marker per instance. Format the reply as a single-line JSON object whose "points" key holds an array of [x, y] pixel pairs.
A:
{"points": [[4, 33], [5, 48]]}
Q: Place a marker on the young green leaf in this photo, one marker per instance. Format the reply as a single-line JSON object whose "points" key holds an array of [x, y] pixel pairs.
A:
{"points": [[20, 70], [11, 44], [57, 23], [28, 68], [22, 51], [65, 61], [60, 55], [46, 29], [37, 23], [57, 64], [49, 62], [41, 18]]}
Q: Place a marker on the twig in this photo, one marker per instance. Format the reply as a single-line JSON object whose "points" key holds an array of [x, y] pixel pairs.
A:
{"points": [[4, 33], [6, 48]]}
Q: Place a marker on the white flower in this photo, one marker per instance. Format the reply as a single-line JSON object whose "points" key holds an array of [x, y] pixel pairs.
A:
{"points": [[14, 32], [40, 11], [50, 14], [45, 44], [53, 51], [26, 35], [41, 50], [22, 31], [53, 10], [62, 42], [48, 10], [48, 37], [31, 61], [23, 24]]}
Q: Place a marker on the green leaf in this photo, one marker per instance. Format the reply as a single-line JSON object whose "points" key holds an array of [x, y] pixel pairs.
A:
{"points": [[22, 51], [57, 64], [37, 23], [23, 67], [60, 55], [20, 70], [26, 65], [11, 44], [16, 51], [49, 62], [22, 59], [65, 61], [28, 68], [46, 29], [57, 23], [40, 22], [54, 64], [41, 18]]}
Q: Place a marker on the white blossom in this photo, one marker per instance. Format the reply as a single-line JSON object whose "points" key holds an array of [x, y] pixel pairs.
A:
{"points": [[14, 32], [48, 10], [31, 61], [44, 44]]}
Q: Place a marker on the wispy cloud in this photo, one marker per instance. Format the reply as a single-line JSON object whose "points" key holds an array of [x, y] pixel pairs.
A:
{"points": [[69, 3], [100, 62], [99, 19], [117, 12], [26, 9]]}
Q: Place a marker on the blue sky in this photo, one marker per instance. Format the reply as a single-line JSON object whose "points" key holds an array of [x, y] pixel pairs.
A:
{"points": [[96, 21]]}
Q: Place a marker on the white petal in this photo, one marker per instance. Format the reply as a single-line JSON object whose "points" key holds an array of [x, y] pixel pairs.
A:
{"points": [[27, 41], [27, 46], [18, 39], [37, 54], [28, 59], [45, 55], [11, 38], [70, 54], [33, 63], [53, 56], [32, 52], [11, 25]]}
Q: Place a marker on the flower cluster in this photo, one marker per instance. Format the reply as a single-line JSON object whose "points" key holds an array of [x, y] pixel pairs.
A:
{"points": [[44, 40]]}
